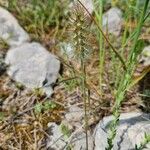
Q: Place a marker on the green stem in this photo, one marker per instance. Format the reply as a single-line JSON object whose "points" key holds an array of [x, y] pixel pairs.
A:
{"points": [[105, 37], [101, 50], [83, 88], [122, 49], [125, 81], [139, 29]]}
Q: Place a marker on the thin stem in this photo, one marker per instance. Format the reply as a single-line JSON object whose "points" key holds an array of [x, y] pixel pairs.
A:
{"points": [[83, 86], [101, 50], [122, 49]]}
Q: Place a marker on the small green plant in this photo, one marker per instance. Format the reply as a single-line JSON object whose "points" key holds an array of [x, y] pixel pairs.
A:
{"points": [[39, 16], [47, 105], [146, 93], [2, 116], [19, 86], [3, 44], [144, 143], [38, 108], [126, 78], [65, 130], [38, 92], [66, 133], [70, 83]]}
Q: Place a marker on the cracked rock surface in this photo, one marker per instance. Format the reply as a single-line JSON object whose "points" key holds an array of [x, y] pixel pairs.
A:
{"points": [[29, 63], [131, 130], [33, 66]]}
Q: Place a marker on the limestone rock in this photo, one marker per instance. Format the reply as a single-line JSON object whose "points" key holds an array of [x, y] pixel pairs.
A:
{"points": [[131, 130], [58, 141], [75, 114], [10, 30], [67, 49], [87, 3], [33, 66], [79, 141], [112, 21], [145, 57]]}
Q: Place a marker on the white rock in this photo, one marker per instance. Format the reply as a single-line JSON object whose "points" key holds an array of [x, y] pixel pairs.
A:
{"points": [[87, 3], [56, 140], [79, 141], [145, 57], [67, 49], [33, 66], [131, 130], [112, 21], [10, 30], [75, 114]]}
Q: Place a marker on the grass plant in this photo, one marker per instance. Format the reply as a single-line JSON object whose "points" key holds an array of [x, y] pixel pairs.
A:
{"points": [[40, 17], [81, 52], [126, 78]]}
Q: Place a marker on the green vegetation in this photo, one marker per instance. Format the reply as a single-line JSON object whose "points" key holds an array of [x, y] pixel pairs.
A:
{"points": [[47, 105], [38, 17], [100, 76], [127, 77]]}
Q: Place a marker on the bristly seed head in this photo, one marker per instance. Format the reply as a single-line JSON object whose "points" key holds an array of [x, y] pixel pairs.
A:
{"points": [[79, 24]]}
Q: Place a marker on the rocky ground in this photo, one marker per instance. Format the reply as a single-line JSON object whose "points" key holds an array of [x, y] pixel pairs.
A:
{"points": [[41, 105]]}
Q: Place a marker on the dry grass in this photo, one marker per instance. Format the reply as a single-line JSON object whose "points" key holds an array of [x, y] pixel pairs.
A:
{"points": [[22, 128]]}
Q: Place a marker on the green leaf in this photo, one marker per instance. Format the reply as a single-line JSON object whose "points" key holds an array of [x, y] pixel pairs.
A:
{"points": [[65, 130], [38, 108], [49, 105], [2, 116]]}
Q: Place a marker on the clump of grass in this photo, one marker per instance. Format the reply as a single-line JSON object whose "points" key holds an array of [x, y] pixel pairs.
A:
{"points": [[129, 67], [39, 17], [126, 78]]}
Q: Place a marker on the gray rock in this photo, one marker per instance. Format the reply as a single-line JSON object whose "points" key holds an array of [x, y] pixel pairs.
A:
{"points": [[67, 49], [75, 114], [87, 3], [145, 57], [79, 141], [131, 130], [58, 141], [10, 30], [112, 21], [33, 66]]}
